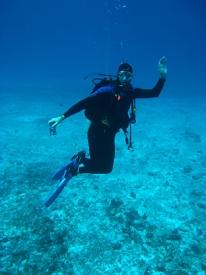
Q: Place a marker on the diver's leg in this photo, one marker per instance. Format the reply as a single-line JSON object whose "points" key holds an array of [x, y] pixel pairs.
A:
{"points": [[102, 151]]}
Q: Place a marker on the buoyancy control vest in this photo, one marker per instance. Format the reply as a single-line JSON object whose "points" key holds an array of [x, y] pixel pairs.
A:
{"points": [[115, 114]]}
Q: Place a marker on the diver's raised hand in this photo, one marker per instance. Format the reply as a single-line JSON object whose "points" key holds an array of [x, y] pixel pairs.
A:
{"points": [[56, 120], [162, 67]]}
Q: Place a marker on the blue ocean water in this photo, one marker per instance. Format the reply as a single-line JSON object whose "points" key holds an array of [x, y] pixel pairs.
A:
{"points": [[52, 42], [147, 216]]}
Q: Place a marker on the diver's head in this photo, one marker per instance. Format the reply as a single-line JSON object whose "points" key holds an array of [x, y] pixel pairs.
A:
{"points": [[125, 75]]}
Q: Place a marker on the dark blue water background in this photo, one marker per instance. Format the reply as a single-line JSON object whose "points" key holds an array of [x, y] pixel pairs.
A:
{"points": [[56, 43]]}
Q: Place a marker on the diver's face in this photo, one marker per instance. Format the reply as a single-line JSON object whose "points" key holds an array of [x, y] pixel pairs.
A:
{"points": [[125, 79]]}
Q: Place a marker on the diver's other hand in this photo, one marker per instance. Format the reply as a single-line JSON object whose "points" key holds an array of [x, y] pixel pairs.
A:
{"points": [[56, 120], [162, 67]]}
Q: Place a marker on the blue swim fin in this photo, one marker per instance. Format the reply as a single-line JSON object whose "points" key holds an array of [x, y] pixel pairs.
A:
{"points": [[60, 173], [65, 176], [57, 191]]}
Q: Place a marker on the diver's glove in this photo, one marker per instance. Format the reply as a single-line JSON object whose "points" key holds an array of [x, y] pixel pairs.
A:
{"points": [[162, 67], [56, 120]]}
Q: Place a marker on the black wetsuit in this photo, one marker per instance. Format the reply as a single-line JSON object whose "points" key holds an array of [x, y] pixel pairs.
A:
{"points": [[108, 112]]}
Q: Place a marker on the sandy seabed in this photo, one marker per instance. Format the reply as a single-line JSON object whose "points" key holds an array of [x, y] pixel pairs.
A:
{"points": [[147, 217]]}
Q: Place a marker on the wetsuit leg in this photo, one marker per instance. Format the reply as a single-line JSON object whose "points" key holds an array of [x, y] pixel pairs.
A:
{"points": [[102, 151]]}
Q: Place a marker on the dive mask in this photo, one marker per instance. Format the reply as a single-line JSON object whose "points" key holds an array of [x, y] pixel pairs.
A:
{"points": [[125, 77]]}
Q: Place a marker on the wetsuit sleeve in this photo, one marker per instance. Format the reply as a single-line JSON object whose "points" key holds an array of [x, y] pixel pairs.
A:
{"points": [[149, 93], [104, 99], [76, 108]]}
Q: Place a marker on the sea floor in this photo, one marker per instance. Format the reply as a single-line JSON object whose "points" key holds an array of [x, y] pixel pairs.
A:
{"points": [[147, 217]]}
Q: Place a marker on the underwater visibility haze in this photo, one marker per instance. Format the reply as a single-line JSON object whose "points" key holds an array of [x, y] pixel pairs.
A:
{"points": [[148, 215]]}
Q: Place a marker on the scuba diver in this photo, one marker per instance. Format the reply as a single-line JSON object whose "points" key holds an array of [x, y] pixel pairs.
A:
{"points": [[106, 110]]}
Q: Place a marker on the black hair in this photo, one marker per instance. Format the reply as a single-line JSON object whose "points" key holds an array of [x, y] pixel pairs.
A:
{"points": [[125, 67]]}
